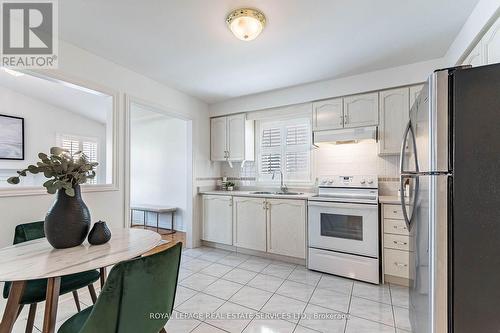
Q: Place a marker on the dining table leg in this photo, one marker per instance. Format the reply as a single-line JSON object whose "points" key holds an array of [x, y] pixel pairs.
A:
{"points": [[51, 302], [12, 308], [103, 276]]}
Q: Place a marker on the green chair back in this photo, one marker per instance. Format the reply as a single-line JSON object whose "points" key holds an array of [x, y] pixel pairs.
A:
{"points": [[138, 295], [23, 233], [28, 231]]}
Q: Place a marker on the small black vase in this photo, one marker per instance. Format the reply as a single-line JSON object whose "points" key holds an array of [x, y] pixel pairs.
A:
{"points": [[99, 234], [68, 221]]}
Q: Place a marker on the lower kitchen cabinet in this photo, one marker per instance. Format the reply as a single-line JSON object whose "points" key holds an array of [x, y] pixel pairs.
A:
{"points": [[218, 219], [286, 227], [249, 219], [397, 245]]}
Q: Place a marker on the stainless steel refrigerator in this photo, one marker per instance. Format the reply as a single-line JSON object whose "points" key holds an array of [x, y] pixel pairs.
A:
{"points": [[450, 165]]}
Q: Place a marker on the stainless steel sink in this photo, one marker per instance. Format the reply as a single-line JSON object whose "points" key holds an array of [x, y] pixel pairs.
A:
{"points": [[277, 193], [288, 193]]}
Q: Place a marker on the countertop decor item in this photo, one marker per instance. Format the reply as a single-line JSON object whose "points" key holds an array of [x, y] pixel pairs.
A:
{"points": [[100, 234], [68, 221]]}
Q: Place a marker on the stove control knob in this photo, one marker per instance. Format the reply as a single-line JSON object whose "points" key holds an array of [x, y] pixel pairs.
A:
{"points": [[323, 182], [362, 181], [370, 181], [330, 182]]}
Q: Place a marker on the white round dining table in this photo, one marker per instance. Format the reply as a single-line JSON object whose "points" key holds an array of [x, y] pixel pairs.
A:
{"points": [[37, 259]]}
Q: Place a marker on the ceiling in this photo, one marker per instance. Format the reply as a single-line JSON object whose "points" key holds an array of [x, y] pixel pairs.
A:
{"points": [[186, 44], [85, 102]]}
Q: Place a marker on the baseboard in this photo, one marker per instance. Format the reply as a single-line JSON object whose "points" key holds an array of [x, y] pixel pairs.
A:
{"points": [[272, 256], [396, 280]]}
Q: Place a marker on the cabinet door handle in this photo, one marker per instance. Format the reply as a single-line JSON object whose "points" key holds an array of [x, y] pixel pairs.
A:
{"points": [[400, 264], [264, 206], [396, 227], [395, 211], [400, 243], [341, 120]]}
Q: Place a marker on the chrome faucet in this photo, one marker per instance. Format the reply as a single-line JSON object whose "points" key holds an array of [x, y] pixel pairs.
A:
{"points": [[283, 187]]}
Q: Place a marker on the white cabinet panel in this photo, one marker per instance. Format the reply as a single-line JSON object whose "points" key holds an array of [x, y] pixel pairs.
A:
{"points": [[491, 44], [232, 138], [328, 114], [361, 110], [218, 219], [394, 115], [218, 139], [414, 92], [475, 58], [236, 137], [396, 263], [249, 218], [286, 227]]}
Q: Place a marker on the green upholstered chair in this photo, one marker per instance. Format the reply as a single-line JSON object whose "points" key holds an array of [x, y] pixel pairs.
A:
{"points": [[138, 296], [35, 290]]}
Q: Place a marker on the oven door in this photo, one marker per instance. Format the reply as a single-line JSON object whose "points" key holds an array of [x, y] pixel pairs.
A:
{"points": [[344, 227]]}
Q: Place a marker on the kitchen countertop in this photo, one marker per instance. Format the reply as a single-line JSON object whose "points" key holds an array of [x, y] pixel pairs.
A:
{"points": [[304, 196]]}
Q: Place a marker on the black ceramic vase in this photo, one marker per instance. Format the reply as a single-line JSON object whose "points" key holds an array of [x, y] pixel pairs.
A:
{"points": [[99, 234], [68, 221]]}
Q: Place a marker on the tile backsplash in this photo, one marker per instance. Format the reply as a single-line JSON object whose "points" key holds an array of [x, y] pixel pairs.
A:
{"points": [[342, 159]]}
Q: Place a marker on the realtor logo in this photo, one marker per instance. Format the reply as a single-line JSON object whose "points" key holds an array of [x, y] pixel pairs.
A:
{"points": [[29, 34]]}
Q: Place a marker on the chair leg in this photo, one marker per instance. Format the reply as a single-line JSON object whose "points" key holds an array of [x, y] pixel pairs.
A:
{"points": [[163, 330], [21, 306], [77, 300], [93, 295], [31, 318]]}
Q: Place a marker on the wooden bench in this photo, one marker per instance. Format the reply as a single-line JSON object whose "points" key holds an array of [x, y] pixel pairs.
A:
{"points": [[156, 209]]}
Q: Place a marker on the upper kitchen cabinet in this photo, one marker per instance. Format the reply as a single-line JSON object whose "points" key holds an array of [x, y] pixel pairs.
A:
{"points": [[232, 139], [394, 115], [491, 44], [361, 110], [475, 58], [414, 92], [328, 114]]}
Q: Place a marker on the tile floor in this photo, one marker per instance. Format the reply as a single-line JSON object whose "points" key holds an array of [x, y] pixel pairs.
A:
{"points": [[221, 291]]}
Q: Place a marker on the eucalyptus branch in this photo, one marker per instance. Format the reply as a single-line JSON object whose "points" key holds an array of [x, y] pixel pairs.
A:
{"points": [[65, 170]]}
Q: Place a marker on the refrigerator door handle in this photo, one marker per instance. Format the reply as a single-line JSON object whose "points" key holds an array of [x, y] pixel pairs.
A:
{"points": [[412, 203], [408, 130]]}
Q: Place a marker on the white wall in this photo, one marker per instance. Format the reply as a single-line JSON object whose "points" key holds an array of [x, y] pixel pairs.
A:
{"points": [[110, 205], [42, 123], [377, 80], [159, 165]]}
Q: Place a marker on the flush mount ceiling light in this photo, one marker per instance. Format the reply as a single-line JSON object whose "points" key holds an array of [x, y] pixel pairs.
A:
{"points": [[246, 23]]}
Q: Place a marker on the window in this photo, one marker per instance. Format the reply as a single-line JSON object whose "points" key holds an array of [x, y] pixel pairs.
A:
{"points": [[88, 146], [286, 146]]}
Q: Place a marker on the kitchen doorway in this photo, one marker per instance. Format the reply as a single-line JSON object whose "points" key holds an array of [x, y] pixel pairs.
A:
{"points": [[160, 171]]}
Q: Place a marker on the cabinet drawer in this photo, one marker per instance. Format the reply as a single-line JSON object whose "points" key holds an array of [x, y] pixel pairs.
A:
{"points": [[393, 212], [396, 263], [395, 227], [397, 242]]}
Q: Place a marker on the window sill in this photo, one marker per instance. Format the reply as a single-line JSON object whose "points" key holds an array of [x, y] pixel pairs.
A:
{"points": [[38, 190]]}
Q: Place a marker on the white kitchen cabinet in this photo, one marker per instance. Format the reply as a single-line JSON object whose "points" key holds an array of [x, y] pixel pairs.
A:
{"points": [[249, 223], [232, 138], [394, 115], [361, 110], [414, 92], [475, 58], [218, 219], [286, 227], [218, 138], [491, 44], [328, 115]]}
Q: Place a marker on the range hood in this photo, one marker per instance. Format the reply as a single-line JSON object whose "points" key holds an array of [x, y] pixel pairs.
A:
{"points": [[345, 135]]}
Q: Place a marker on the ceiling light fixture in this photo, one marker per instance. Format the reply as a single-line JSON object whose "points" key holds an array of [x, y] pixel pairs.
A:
{"points": [[246, 23]]}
